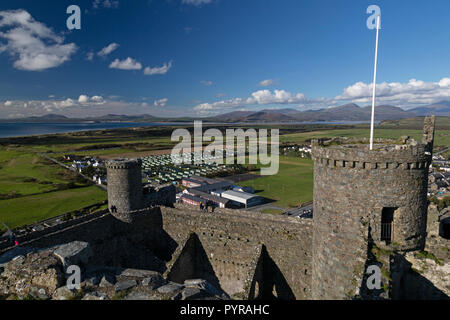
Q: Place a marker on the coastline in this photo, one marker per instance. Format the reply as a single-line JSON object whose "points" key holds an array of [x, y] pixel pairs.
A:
{"points": [[22, 129]]}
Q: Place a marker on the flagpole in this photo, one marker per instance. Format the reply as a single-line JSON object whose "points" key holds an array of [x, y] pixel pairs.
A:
{"points": [[374, 85]]}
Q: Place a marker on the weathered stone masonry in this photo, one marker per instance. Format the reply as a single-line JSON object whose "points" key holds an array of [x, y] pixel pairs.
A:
{"points": [[124, 185], [251, 255], [232, 242], [233, 239], [353, 186]]}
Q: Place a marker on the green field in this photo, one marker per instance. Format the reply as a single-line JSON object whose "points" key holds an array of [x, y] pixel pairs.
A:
{"points": [[292, 186], [30, 209], [27, 173], [34, 188], [442, 137]]}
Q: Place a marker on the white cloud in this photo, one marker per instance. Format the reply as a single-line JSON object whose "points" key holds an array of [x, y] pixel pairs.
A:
{"points": [[412, 93], [445, 82], [83, 99], [34, 46], [105, 4], [196, 2], [268, 82], [87, 101], [161, 102], [206, 83], [90, 56], [64, 104], [127, 64], [278, 96], [158, 70], [97, 99], [206, 108], [71, 107], [260, 97], [404, 95], [108, 49], [58, 105]]}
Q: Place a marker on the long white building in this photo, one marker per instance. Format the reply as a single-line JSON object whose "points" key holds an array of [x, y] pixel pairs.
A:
{"points": [[244, 198]]}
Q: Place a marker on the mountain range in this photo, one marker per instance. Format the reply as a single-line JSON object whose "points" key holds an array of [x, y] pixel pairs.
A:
{"points": [[347, 112]]}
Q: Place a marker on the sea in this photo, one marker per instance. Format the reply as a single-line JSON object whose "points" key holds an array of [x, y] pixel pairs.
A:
{"points": [[21, 129]]}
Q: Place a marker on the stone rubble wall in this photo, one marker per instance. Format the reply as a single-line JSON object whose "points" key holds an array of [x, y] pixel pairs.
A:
{"points": [[232, 238]]}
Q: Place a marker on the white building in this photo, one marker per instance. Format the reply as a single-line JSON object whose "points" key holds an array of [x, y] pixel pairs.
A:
{"points": [[244, 189], [243, 198]]}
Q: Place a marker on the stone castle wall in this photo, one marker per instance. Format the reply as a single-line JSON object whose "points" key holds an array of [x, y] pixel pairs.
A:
{"points": [[238, 247], [233, 239], [114, 242], [27, 237], [124, 186], [253, 255], [352, 185]]}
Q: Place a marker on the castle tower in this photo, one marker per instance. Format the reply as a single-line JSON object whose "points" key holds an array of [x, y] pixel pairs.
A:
{"points": [[124, 179], [362, 194]]}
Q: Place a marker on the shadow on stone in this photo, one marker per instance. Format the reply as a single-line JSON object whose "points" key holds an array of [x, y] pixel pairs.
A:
{"points": [[364, 292], [142, 244], [411, 285], [193, 263], [402, 283], [268, 281]]}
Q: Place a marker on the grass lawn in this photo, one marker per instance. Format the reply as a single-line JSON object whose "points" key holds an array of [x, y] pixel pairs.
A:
{"points": [[442, 137], [292, 186], [27, 173], [27, 210]]}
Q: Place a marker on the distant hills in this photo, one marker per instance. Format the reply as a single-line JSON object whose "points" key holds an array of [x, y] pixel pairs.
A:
{"points": [[347, 112], [50, 117], [105, 118], [439, 109]]}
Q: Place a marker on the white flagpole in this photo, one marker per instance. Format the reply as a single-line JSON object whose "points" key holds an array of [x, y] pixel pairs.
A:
{"points": [[374, 85]]}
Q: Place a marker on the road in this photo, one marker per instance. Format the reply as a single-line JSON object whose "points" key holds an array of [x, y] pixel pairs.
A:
{"points": [[442, 151], [301, 211], [294, 212], [72, 169]]}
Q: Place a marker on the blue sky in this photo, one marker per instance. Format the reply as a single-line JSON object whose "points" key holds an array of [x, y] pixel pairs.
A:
{"points": [[206, 57]]}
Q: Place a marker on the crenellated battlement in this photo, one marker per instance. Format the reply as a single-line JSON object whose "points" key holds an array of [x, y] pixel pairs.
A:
{"points": [[125, 193], [387, 154], [123, 164], [418, 165], [362, 194]]}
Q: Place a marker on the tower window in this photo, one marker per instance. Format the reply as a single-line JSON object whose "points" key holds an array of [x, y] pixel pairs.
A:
{"points": [[387, 218], [445, 228]]}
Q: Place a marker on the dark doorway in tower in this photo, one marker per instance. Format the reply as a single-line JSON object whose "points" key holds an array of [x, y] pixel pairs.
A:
{"points": [[387, 218], [444, 228]]}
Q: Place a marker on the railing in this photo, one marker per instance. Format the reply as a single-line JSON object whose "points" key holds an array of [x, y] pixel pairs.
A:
{"points": [[386, 232]]}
